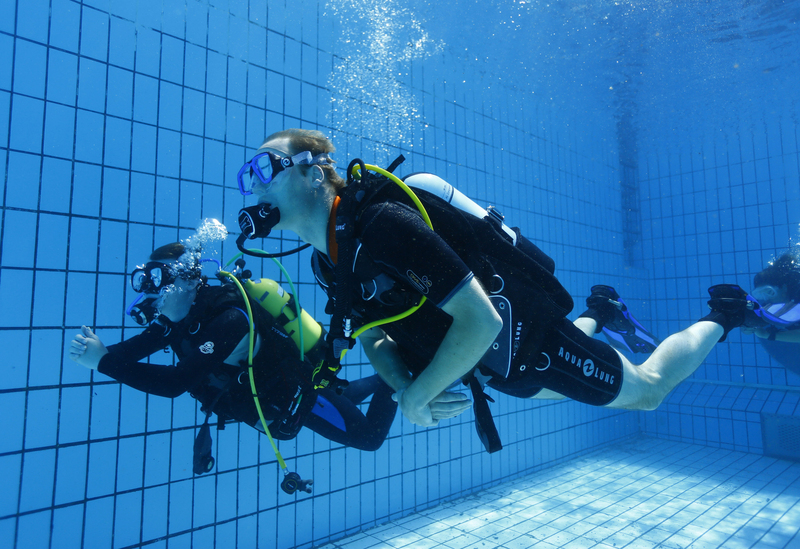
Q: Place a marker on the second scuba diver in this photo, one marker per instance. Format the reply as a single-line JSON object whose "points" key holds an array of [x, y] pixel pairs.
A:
{"points": [[490, 310], [209, 330], [777, 289]]}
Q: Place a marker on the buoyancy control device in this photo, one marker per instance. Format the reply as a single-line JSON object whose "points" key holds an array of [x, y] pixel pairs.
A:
{"points": [[499, 252]]}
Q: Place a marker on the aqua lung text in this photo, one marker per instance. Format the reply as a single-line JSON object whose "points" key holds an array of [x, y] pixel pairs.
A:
{"points": [[589, 369]]}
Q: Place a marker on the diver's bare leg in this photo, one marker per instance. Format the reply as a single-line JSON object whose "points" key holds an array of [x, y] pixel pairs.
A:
{"points": [[586, 325], [678, 356]]}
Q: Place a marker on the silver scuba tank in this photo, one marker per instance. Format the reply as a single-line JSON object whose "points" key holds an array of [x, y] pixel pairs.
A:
{"points": [[444, 190]]}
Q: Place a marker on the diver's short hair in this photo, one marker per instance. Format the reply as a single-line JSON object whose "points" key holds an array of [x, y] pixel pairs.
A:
{"points": [[316, 143], [784, 271], [173, 250], [187, 262]]}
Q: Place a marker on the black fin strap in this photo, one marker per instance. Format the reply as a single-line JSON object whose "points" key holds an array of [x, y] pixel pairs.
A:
{"points": [[484, 423], [202, 460]]}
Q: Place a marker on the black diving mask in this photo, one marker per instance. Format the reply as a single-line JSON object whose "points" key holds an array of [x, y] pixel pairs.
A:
{"points": [[152, 277]]}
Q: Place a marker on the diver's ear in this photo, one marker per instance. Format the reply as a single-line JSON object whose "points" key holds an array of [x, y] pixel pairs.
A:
{"points": [[318, 176]]}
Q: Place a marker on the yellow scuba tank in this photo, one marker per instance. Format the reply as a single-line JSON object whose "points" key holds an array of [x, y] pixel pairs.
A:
{"points": [[280, 304]]}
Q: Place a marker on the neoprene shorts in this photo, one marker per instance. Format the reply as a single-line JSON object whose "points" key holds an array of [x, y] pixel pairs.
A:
{"points": [[569, 363]]}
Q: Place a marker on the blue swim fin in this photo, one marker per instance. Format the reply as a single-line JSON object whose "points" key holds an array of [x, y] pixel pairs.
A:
{"points": [[622, 329]]}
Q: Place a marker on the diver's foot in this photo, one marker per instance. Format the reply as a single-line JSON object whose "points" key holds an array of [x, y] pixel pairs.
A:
{"points": [[602, 306], [731, 308], [615, 320]]}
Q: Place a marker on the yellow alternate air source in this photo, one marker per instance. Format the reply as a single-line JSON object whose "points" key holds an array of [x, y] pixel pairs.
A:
{"points": [[275, 300]]}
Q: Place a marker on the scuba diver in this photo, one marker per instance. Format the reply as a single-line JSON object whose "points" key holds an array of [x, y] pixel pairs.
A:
{"points": [[209, 329], [777, 290], [438, 291]]}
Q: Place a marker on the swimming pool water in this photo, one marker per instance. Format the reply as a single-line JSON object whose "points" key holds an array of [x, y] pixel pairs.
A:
{"points": [[652, 147]]}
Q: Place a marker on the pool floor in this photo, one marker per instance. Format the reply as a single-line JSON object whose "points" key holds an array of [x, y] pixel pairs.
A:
{"points": [[643, 493]]}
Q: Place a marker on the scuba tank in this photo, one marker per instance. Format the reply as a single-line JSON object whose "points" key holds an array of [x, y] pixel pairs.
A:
{"points": [[444, 190], [281, 306]]}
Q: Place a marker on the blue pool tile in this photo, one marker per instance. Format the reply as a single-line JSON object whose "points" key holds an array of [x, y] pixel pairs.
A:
{"points": [[237, 37], [120, 93], [218, 24], [197, 24], [32, 20], [34, 529], [145, 102], [94, 34], [257, 44], [168, 159], [169, 106], [195, 67], [237, 81], [122, 9], [172, 59], [118, 143], [148, 48], [29, 68], [89, 136], [193, 111], [150, 13], [216, 73], [143, 148], [235, 124], [173, 17], [215, 118], [191, 154], [92, 85], [27, 116], [62, 77]]}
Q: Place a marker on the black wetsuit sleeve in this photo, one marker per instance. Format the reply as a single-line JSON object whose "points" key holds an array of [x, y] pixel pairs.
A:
{"points": [[198, 352], [398, 239]]}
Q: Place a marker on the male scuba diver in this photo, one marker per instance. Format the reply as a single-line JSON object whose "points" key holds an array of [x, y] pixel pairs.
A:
{"points": [[488, 310], [209, 329]]}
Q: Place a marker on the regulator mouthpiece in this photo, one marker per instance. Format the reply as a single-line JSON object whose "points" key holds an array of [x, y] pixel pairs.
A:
{"points": [[257, 221], [143, 311]]}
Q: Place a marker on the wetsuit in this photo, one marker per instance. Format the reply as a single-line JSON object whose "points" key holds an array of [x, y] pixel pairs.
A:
{"points": [[400, 259], [211, 345]]}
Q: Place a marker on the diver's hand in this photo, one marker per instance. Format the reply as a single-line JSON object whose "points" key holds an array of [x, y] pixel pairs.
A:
{"points": [[418, 415], [87, 349], [448, 405]]}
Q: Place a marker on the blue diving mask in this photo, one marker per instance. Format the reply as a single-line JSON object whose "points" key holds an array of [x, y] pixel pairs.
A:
{"points": [[264, 167], [780, 315]]}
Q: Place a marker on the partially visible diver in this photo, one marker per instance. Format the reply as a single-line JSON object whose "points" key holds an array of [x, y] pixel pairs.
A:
{"points": [[209, 330], [489, 309], [777, 290]]}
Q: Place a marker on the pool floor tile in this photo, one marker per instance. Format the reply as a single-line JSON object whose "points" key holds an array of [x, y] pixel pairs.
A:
{"points": [[645, 493]]}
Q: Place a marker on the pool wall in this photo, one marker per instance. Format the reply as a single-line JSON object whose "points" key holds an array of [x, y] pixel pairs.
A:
{"points": [[122, 126]]}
